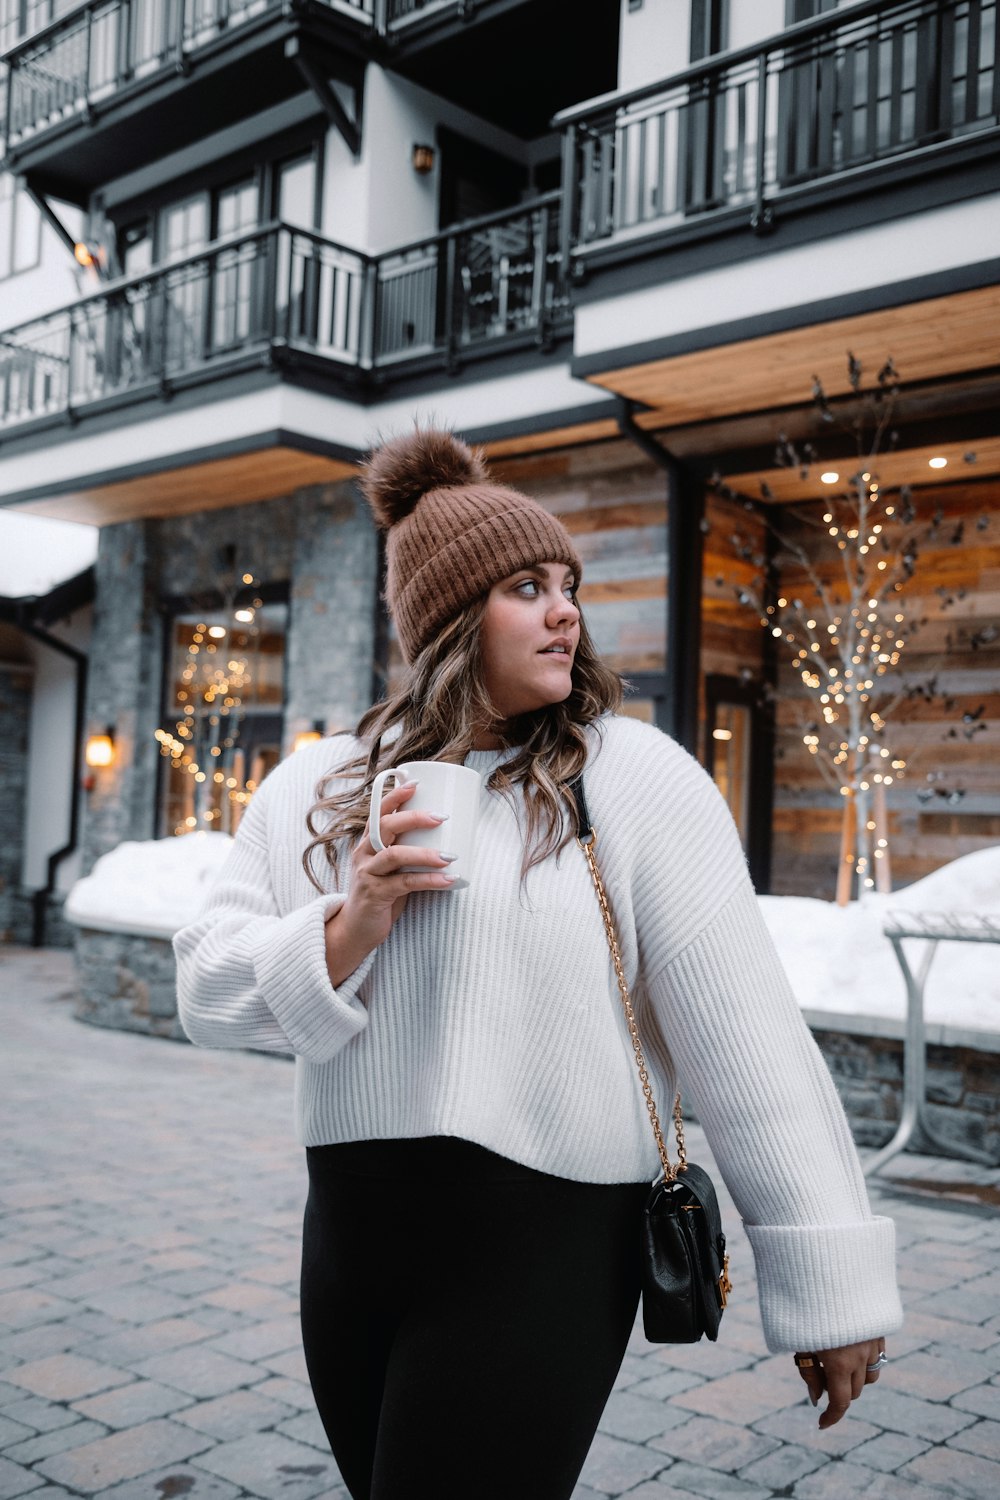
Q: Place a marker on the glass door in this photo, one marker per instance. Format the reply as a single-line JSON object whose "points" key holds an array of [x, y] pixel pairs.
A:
{"points": [[184, 229], [739, 756], [234, 273]]}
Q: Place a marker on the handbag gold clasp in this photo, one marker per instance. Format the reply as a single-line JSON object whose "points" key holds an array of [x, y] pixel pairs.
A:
{"points": [[725, 1285]]}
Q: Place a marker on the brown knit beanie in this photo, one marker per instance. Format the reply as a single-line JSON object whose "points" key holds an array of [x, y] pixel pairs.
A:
{"points": [[451, 533]]}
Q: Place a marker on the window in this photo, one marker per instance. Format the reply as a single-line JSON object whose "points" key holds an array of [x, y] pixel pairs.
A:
{"points": [[20, 229], [223, 713], [709, 28]]}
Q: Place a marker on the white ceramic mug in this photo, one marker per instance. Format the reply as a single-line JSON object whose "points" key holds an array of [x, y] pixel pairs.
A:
{"points": [[449, 790]]}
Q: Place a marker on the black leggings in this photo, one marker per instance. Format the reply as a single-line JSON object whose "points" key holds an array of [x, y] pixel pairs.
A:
{"points": [[464, 1317]]}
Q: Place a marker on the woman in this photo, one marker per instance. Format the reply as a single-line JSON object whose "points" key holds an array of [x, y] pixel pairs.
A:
{"points": [[477, 1143]]}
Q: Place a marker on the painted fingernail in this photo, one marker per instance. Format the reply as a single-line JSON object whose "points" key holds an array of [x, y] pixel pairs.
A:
{"points": [[447, 879], [813, 1399], [439, 817], [448, 858]]}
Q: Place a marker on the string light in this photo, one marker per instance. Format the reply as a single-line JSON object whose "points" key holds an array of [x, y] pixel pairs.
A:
{"points": [[209, 699]]}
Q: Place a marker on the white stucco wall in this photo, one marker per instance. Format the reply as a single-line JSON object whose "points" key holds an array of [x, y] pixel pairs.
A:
{"points": [[50, 753], [379, 201], [654, 41], [50, 284]]}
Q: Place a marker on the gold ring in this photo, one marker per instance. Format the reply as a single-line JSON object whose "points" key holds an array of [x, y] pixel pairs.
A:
{"points": [[804, 1361]]}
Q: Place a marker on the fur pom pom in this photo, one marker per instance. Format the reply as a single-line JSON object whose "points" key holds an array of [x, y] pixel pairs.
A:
{"points": [[403, 469]]}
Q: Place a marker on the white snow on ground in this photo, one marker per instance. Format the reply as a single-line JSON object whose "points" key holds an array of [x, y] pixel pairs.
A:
{"points": [[837, 958], [36, 553], [152, 888]]}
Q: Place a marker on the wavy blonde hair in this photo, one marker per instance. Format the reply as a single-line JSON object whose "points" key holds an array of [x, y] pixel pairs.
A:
{"points": [[439, 708]]}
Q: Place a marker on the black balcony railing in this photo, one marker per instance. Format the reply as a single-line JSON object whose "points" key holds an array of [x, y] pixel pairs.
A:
{"points": [[54, 70], [827, 97], [237, 297], [278, 292], [472, 285], [76, 63]]}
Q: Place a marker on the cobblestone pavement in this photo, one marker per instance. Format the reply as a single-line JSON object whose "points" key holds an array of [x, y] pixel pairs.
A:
{"points": [[149, 1345]]}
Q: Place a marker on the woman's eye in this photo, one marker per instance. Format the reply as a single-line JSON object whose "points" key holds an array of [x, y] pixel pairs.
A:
{"points": [[527, 583]]}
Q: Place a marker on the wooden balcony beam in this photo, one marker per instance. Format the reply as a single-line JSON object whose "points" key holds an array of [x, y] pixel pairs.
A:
{"points": [[316, 78]]}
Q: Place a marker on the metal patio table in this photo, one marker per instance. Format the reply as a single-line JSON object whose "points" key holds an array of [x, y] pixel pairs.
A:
{"points": [[933, 928]]}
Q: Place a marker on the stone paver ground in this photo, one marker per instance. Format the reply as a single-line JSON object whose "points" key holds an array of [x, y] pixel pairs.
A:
{"points": [[151, 1199]]}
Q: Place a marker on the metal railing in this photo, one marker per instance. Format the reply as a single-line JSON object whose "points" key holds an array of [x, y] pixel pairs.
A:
{"points": [[827, 97], [472, 285], [401, 11], [243, 294], [277, 288], [76, 62]]}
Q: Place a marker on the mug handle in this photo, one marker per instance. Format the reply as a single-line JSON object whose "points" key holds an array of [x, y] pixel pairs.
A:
{"points": [[375, 808]]}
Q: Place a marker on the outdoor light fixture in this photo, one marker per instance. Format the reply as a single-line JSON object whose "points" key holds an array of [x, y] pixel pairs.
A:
{"points": [[83, 253], [722, 734], [938, 463], [100, 749], [423, 159], [309, 736], [245, 616], [830, 477]]}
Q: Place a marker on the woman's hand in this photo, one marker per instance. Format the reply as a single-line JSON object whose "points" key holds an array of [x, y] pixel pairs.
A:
{"points": [[843, 1373], [378, 888]]}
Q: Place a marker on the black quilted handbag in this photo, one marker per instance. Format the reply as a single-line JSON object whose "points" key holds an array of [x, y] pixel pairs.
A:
{"points": [[684, 1265]]}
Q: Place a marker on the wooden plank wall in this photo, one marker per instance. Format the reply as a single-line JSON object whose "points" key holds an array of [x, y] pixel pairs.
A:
{"points": [[957, 589]]}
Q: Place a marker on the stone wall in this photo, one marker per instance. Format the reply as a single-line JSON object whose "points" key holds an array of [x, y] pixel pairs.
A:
{"points": [[963, 1091], [320, 541], [123, 687], [127, 982]]}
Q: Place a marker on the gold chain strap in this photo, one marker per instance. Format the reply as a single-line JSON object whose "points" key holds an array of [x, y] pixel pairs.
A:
{"points": [[669, 1170]]}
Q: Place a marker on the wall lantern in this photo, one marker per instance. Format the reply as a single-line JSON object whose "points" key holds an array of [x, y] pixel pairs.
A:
{"points": [[101, 748], [423, 159], [309, 736]]}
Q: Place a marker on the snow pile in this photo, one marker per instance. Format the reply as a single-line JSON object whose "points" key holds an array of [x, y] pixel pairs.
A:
{"points": [[838, 959], [152, 888]]}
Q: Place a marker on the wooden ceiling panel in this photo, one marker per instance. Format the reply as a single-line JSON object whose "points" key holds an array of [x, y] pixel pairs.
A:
{"points": [[938, 337], [559, 437], [910, 466], [213, 485]]}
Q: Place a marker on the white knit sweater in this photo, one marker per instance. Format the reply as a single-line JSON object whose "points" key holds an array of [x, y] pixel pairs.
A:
{"points": [[492, 1014]]}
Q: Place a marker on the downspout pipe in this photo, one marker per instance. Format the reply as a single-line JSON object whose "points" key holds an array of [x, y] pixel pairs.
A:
{"points": [[40, 898], [685, 543]]}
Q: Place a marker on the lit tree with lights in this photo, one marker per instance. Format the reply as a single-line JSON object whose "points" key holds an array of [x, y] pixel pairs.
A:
{"points": [[846, 639], [215, 683]]}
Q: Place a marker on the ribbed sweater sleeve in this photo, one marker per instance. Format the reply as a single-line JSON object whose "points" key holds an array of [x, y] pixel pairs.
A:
{"points": [[760, 1087], [250, 977]]}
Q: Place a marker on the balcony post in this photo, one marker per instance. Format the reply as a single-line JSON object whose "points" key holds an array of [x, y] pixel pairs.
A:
{"points": [[69, 365], [367, 313], [87, 60], [8, 105], [761, 220], [538, 275], [568, 200], [449, 299], [124, 41]]}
